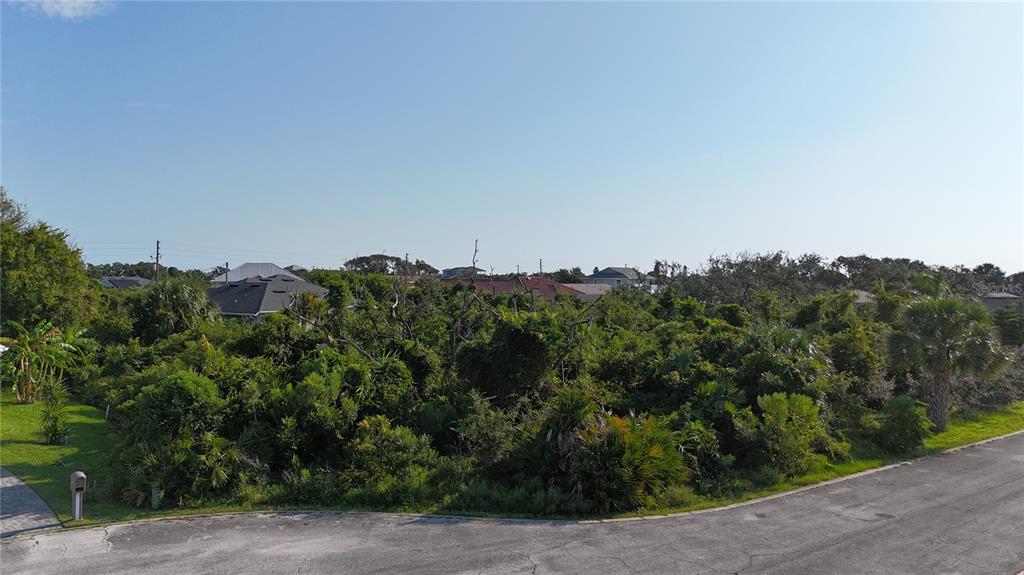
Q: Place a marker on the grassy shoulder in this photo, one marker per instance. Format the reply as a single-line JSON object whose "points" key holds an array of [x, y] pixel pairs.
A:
{"points": [[45, 468], [962, 430]]}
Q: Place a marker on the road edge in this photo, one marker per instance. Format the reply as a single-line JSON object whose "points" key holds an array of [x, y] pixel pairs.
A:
{"points": [[455, 517]]}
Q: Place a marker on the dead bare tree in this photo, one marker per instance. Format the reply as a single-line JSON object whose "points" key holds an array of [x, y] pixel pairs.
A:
{"points": [[399, 298], [319, 324], [456, 324]]}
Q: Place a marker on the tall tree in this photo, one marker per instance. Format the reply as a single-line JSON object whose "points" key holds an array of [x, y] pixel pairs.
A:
{"points": [[990, 274], [146, 270], [944, 339], [567, 276], [171, 306], [43, 278]]}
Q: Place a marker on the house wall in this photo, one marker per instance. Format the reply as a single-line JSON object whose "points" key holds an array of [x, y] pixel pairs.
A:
{"points": [[610, 281], [995, 304]]}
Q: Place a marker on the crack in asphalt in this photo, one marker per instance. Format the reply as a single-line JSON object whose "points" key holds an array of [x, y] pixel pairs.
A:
{"points": [[750, 560], [532, 562]]}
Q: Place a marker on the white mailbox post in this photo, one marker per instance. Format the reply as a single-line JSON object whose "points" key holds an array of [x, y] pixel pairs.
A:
{"points": [[78, 482]]}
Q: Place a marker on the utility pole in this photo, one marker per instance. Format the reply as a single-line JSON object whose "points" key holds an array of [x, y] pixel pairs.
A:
{"points": [[226, 270], [541, 266], [157, 266], [517, 269]]}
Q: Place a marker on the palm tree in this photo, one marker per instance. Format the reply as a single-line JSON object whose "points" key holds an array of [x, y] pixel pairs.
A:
{"points": [[944, 339], [173, 306]]}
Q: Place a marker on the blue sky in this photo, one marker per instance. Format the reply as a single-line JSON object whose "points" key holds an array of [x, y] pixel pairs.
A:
{"points": [[583, 134]]}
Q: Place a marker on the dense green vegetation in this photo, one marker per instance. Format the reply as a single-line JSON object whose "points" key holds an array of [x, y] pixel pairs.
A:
{"points": [[46, 467], [756, 373]]}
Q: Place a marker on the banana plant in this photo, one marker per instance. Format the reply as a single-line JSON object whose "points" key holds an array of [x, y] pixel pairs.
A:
{"points": [[38, 354]]}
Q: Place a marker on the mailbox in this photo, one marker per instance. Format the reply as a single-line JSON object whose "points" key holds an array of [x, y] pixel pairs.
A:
{"points": [[78, 483]]}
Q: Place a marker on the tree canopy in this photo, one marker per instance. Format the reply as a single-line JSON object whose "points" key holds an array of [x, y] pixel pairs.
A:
{"points": [[388, 265], [43, 278]]}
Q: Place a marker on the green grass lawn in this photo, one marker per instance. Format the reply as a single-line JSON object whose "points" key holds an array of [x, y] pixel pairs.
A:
{"points": [[978, 426], [45, 468]]}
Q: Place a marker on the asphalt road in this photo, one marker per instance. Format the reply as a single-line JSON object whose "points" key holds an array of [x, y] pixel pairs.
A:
{"points": [[960, 512]]}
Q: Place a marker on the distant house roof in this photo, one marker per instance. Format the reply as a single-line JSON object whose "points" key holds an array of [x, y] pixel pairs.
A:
{"points": [[255, 296], [620, 273], [460, 271], [590, 292], [296, 268], [1001, 295], [544, 287], [124, 282], [1000, 299], [863, 297], [253, 270]]}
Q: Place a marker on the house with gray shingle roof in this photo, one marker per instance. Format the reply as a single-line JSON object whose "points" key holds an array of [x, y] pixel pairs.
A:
{"points": [[461, 272], [121, 282], [254, 297], [252, 270], [998, 300], [621, 277]]}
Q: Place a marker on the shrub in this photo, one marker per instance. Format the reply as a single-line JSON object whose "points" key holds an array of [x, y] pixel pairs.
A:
{"points": [[380, 451], [854, 351], [319, 486], [733, 314], [904, 426], [418, 488], [280, 338], [389, 390], [680, 496], [184, 403], [531, 497], [437, 419], [627, 463], [788, 431], [509, 364], [185, 471], [488, 434], [53, 418], [704, 457]]}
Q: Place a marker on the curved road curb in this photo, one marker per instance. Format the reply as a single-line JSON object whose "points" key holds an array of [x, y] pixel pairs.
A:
{"points": [[803, 488], [955, 513], [438, 516]]}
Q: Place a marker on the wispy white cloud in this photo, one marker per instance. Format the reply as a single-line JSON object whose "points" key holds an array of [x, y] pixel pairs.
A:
{"points": [[66, 9]]}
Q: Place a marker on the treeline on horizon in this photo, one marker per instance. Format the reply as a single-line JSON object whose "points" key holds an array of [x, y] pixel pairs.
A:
{"points": [[388, 394], [722, 278]]}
